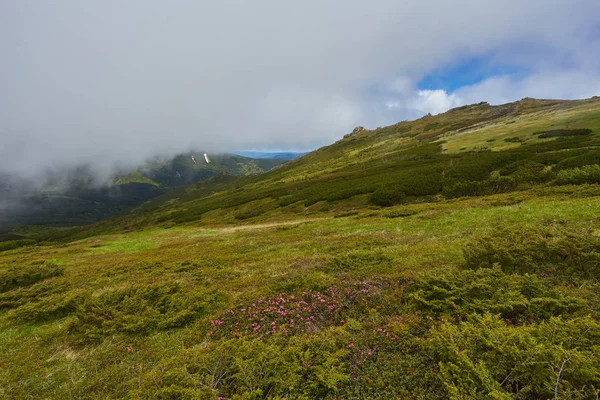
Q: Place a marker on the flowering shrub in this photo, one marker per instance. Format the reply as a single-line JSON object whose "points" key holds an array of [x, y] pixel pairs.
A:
{"points": [[290, 314]]}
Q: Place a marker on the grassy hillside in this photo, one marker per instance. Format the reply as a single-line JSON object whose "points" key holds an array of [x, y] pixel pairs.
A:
{"points": [[405, 262], [410, 162]]}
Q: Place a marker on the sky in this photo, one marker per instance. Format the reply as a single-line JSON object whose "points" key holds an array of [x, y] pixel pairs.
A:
{"points": [[113, 83]]}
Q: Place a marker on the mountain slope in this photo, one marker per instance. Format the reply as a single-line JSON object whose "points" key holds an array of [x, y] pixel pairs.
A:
{"points": [[472, 150]]}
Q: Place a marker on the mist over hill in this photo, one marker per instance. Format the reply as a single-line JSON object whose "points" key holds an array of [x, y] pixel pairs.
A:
{"points": [[75, 195], [285, 155]]}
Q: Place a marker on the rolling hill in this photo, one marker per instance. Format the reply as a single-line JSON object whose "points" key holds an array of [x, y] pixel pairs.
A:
{"points": [[455, 256]]}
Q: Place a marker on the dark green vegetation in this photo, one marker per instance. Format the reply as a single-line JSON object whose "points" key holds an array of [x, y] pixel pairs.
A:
{"points": [[78, 196], [406, 262]]}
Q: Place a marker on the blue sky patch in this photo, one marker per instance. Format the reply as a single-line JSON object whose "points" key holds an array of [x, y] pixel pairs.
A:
{"points": [[466, 73]]}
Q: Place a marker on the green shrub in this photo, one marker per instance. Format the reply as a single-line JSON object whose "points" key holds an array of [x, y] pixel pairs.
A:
{"points": [[387, 196], [563, 132], [485, 358], [400, 213], [50, 307], [513, 140], [548, 251], [578, 176], [494, 185], [32, 294], [27, 275], [528, 171], [247, 214], [520, 298], [575, 160], [309, 367], [422, 181], [14, 244], [141, 309]]}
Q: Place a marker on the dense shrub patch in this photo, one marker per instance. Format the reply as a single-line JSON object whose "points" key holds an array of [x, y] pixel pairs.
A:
{"points": [[513, 140], [589, 157], [141, 309], [50, 307], [249, 368], [579, 176], [387, 196], [519, 299], [494, 185], [562, 132], [528, 171], [247, 214], [15, 298], [548, 251], [488, 358], [27, 275], [14, 244]]}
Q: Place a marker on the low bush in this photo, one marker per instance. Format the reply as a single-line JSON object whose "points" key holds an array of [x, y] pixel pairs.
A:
{"points": [[291, 314], [49, 307], [519, 299], [387, 196], [577, 176], [545, 250], [400, 213], [362, 261], [513, 140], [247, 214], [141, 309], [562, 132], [528, 171], [249, 368], [27, 275], [14, 244], [486, 358], [494, 185], [589, 157], [32, 294]]}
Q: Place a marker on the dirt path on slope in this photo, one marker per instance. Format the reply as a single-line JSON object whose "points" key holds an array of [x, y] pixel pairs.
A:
{"points": [[262, 226]]}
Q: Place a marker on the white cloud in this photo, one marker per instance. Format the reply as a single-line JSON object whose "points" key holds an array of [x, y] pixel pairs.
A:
{"points": [[434, 101], [118, 81]]}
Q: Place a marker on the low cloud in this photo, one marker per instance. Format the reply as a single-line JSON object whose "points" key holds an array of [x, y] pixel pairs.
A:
{"points": [[109, 83]]}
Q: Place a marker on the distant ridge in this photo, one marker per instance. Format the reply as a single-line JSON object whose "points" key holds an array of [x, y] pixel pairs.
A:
{"points": [[286, 155]]}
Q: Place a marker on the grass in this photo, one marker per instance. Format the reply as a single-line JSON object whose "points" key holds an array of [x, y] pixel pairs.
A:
{"points": [[242, 264]]}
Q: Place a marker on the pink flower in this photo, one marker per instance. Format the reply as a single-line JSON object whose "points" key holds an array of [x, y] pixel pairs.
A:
{"points": [[129, 349], [351, 345]]}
